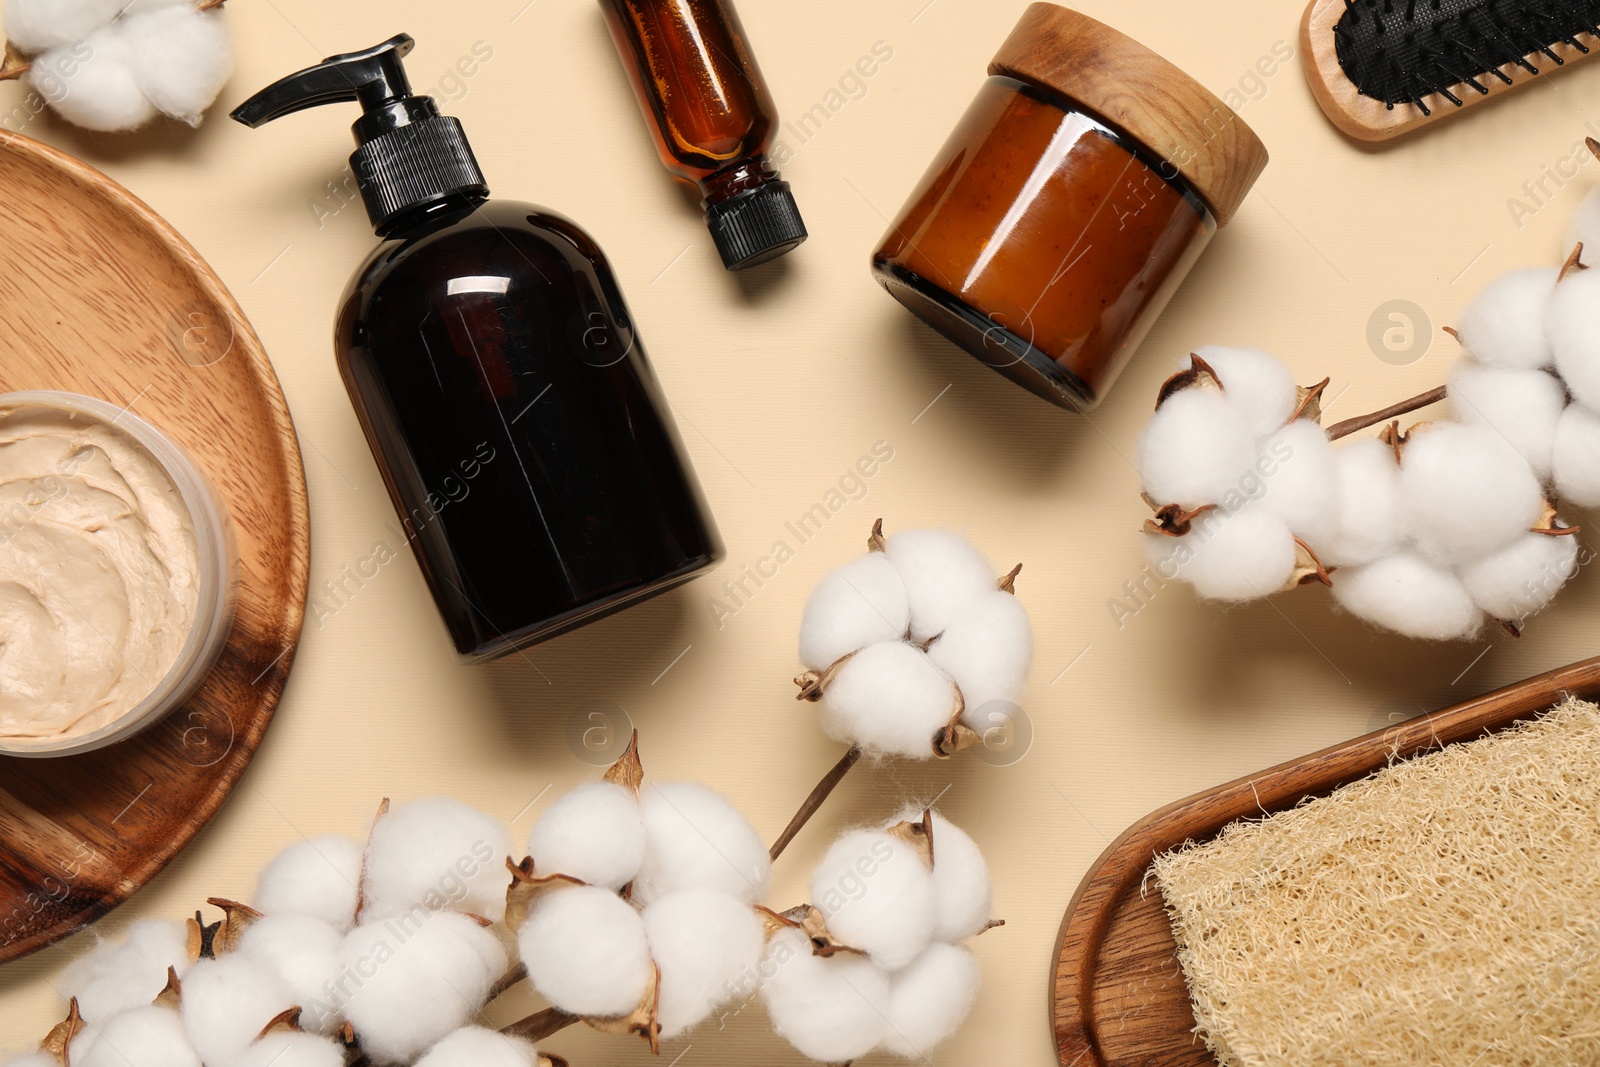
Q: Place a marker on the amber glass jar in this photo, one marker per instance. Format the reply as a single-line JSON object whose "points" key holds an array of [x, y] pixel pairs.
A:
{"points": [[712, 118], [1068, 205]]}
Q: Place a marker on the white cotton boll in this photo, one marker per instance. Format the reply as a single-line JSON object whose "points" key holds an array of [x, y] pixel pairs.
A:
{"points": [[943, 574], [831, 1009], [877, 895], [890, 700], [304, 954], [227, 1002], [288, 1049], [987, 651], [150, 1036], [1584, 228], [40, 25], [1464, 492], [859, 604], [594, 834], [1409, 595], [115, 977], [415, 978], [1196, 450], [181, 57], [697, 840], [1301, 477], [319, 877], [1505, 323], [1523, 577], [475, 1046], [1575, 457], [961, 888], [1575, 336], [930, 999], [586, 951], [1369, 524], [1259, 385], [708, 947], [92, 84], [437, 854], [1242, 556], [1522, 405]]}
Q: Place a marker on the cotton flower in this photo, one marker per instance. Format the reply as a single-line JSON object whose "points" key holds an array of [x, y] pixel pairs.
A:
{"points": [[1504, 326], [586, 951], [697, 840], [859, 604], [1584, 228], [930, 999], [1196, 449], [1465, 491], [708, 946], [877, 895], [1523, 577], [114, 977], [831, 1009], [415, 978], [890, 699], [318, 877], [1575, 456], [961, 889], [149, 1036], [1523, 406], [475, 1046], [1259, 386], [290, 1049], [1574, 336], [594, 834], [1370, 524], [1242, 556], [114, 65], [907, 644], [1304, 489], [181, 58], [1410, 595], [437, 854], [37, 25], [303, 954], [227, 1002]]}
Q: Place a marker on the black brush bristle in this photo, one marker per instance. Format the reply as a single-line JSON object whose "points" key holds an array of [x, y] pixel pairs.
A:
{"points": [[1404, 51]]}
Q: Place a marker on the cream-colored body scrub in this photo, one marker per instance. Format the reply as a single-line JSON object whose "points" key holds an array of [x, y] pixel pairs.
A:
{"points": [[102, 577]]}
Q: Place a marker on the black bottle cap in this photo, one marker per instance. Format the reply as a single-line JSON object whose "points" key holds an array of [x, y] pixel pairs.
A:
{"points": [[757, 226], [408, 155]]}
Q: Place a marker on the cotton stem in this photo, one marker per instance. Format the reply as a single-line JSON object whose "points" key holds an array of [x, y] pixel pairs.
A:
{"points": [[829, 783], [541, 1024], [1362, 422]]}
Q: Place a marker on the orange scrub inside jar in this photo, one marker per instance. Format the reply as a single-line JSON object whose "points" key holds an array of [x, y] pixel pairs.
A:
{"points": [[1043, 242]]}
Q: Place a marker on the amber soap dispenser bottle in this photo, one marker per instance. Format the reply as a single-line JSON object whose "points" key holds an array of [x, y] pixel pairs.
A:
{"points": [[500, 381], [712, 118]]}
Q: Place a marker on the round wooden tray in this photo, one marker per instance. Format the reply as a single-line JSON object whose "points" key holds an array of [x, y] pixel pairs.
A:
{"points": [[99, 295], [1118, 998]]}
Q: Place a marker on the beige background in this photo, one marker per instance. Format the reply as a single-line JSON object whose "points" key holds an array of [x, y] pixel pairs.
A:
{"points": [[781, 381]]}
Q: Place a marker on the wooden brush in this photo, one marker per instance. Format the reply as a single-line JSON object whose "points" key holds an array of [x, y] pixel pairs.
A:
{"points": [[1381, 68]]}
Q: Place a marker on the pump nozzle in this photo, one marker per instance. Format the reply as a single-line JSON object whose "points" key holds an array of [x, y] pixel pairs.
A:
{"points": [[408, 155]]}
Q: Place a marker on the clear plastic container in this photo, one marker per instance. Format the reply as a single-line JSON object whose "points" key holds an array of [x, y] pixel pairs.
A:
{"points": [[217, 569]]}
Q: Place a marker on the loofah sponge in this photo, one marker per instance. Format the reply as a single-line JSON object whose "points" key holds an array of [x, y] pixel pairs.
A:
{"points": [[1440, 912]]}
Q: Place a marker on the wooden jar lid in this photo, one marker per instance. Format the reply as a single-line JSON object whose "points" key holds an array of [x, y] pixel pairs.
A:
{"points": [[1121, 81]]}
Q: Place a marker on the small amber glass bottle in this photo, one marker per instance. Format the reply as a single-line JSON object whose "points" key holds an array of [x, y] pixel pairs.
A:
{"points": [[1068, 205], [712, 118]]}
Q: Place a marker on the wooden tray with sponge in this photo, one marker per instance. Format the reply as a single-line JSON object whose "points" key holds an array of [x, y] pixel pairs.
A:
{"points": [[1118, 997]]}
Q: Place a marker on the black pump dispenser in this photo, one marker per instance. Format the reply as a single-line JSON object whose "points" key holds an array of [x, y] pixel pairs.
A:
{"points": [[408, 155], [501, 382]]}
